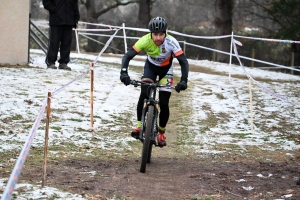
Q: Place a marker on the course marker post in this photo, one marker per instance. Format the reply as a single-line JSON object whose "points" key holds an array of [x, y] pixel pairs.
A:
{"points": [[230, 57], [251, 108], [46, 139], [92, 95]]}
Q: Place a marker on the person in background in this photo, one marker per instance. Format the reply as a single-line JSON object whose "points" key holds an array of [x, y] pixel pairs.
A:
{"points": [[160, 48], [63, 17]]}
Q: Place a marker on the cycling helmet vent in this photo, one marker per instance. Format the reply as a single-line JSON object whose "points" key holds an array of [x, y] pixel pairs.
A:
{"points": [[158, 24]]}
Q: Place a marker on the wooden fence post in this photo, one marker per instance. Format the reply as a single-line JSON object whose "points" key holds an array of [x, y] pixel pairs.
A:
{"points": [[292, 61], [252, 56], [214, 56], [92, 96], [251, 108], [46, 139]]}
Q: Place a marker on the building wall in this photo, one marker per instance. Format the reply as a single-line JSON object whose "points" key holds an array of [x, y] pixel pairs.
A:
{"points": [[14, 20]]}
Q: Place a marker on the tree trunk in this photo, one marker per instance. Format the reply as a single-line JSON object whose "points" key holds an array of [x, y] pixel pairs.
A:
{"points": [[223, 24], [92, 46], [144, 13]]}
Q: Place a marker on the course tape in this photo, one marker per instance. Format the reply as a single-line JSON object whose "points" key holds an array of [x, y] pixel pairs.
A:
{"points": [[41, 23], [269, 40], [199, 37], [106, 45], [14, 177], [147, 30], [274, 94], [77, 78], [23, 155], [95, 30]]}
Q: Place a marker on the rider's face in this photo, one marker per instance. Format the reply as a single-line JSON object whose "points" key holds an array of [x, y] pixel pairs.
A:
{"points": [[158, 38]]}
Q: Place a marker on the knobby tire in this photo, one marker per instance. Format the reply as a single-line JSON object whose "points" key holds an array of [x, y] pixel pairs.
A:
{"points": [[147, 138]]}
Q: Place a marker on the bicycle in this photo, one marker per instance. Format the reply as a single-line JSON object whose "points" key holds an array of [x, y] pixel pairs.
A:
{"points": [[149, 127]]}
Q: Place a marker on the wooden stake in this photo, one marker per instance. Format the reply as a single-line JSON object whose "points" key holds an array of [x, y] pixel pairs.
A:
{"points": [[251, 109], [46, 139], [92, 96]]}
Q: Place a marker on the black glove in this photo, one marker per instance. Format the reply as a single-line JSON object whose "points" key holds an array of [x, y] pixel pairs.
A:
{"points": [[180, 86], [125, 78]]}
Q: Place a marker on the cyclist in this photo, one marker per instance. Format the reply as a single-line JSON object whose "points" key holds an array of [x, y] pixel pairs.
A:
{"points": [[160, 48]]}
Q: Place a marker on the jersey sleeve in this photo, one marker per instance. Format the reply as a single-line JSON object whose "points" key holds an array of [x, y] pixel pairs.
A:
{"points": [[174, 44]]}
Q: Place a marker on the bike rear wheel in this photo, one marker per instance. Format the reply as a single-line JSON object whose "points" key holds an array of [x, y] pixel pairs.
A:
{"points": [[147, 145]]}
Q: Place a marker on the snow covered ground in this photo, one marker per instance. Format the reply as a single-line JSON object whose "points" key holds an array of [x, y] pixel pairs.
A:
{"points": [[23, 91]]}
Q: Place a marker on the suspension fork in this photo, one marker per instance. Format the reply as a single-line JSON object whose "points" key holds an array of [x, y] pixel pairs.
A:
{"points": [[150, 101], [143, 119]]}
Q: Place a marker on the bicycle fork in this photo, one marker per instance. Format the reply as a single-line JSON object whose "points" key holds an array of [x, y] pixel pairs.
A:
{"points": [[155, 123]]}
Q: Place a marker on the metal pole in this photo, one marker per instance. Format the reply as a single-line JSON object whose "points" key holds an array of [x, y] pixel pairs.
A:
{"points": [[184, 47], [77, 43], [125, 44]]}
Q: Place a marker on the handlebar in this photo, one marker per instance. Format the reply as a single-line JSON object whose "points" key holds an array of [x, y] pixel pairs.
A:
{"points": [[136, 83]]}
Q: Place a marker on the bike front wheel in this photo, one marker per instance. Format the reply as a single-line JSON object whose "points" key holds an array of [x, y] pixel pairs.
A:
{"points": [[147, 145]]}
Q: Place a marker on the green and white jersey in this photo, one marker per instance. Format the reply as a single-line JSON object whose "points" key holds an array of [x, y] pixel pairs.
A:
{"points": [[159, 55]]}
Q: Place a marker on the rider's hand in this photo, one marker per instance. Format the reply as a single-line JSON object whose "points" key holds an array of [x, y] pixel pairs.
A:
{"points": [[125, 78], [182, 85]]}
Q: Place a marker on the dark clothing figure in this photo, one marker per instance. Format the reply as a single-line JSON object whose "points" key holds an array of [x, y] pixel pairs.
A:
{"points": [[63, 17]]}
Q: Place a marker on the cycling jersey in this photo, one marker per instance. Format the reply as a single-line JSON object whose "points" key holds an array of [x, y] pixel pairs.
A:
{"points": [[159, 55]]}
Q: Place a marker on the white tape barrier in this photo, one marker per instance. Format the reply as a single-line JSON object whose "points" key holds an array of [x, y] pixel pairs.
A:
{"points": [[268, 40], [274, 94], [104, 35], [147, 30], [25, 150], [247, 58], [15, 175], [106, 45], [44, 23]]}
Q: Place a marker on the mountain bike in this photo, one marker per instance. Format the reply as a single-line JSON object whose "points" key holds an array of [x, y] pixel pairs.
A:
{"points": [[149, 127]]}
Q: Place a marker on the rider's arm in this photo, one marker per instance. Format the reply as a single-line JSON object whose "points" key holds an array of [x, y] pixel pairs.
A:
{"points": [[184, 67], [127, 57]]}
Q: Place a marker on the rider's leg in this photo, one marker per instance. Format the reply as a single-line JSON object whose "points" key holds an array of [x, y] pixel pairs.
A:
{"points": [[164, 114], [164, 97], [148, 76]]}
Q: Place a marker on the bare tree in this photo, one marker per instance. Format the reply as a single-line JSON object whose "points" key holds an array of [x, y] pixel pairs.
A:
{"points": [[144, 13], [223, 24], [285, 14], [93, 11]]}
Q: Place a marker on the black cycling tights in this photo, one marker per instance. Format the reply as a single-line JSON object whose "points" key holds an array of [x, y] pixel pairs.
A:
{"points": [[164, 98]]}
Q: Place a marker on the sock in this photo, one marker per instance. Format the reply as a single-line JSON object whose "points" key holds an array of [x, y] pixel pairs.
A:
{"points": [[162, 129], [138, 124]]}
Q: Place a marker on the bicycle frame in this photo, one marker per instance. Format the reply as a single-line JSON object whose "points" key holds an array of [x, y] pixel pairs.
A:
{"points": [[149, 128], [150, 101]]}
